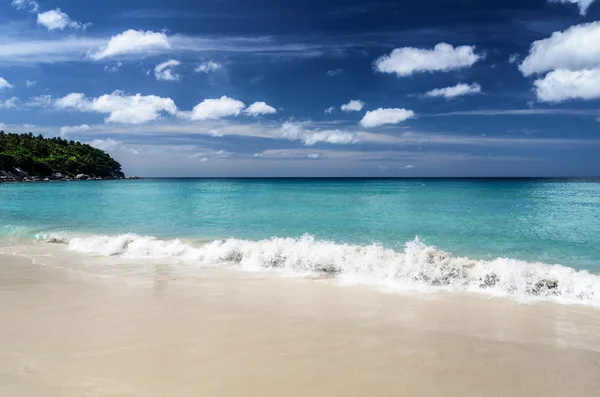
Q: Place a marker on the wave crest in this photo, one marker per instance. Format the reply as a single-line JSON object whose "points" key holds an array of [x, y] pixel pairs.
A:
{"points": [[418, 266]]}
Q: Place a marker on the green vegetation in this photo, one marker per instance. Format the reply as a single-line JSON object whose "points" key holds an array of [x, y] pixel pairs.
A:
{"points": [[41, 156]]}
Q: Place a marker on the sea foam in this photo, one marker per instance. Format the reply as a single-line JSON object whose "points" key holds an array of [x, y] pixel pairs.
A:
{"points": [[418, 266]]}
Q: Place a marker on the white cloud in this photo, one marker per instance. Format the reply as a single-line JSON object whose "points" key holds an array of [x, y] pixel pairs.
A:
{"points": [[18, 51], [329, 110], [132, 42], [11, 103], [27, 5], [382, 116], [56, 19], [114, 68], [214, 109], [573, 49], [409, 166], [443, 57], [313, 155], [17, 48], [207, 67], [455, 91], [582, 4], [4, 84], [164, 71], [561, 85], [121, 108], [353, 106], [41, 101], [105, 144], [334, 72], [513, 58], [69, 129], [30, 83], [298, 132], [258, 108]]}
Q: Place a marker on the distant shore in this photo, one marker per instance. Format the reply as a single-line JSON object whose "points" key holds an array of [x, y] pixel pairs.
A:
{"points": [[14, 177]]}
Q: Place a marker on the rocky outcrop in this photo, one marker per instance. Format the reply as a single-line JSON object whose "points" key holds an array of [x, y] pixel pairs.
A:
{"points": [[8, 177], [18, 175]]}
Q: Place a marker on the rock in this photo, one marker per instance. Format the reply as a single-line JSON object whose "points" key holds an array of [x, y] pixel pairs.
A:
{"points": [[82, 177], [58, 175], [98, 178], [8, 177], [46, 179], [21, 173]]}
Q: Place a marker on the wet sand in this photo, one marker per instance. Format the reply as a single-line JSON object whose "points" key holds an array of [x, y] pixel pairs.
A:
{"points": [[65, 333]]}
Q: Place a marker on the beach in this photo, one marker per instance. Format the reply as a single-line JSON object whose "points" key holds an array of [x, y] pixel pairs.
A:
{"points": [[70, 333]]}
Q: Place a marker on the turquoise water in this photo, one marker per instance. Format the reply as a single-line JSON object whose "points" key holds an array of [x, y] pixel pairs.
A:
{"points": [[550, 221]]}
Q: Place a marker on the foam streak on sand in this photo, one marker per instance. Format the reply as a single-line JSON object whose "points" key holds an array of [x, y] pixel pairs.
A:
{"points": [[418, 267]]}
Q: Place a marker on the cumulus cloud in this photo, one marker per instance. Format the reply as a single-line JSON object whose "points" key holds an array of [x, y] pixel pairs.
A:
{"points": [[353, 106], [208, 67], [104, 144], [58, 20], [455, 91], [298, 132], [561, 85], [214, 109], [69, 129], [4, 84], [41, 101], [30, 83], [376, 118], [313, 155], [576, 48], [258, 108], [443, 57], [131, 42], [582, 4], [164, 71], [329, 110], [121, 108], [27, 5], [513, 58], [10, 103]]}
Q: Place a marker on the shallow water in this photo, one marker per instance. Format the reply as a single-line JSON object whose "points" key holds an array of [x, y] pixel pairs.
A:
{"points": [[520, 238]]}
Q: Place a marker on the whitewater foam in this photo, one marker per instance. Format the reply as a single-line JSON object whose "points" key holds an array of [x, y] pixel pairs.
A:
{"points": [[418, 266]]}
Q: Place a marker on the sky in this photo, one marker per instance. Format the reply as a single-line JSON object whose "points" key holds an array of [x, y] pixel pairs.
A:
{"points": [[228, 88]]}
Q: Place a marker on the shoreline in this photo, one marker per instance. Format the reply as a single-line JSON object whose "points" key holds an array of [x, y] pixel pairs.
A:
{"points": [[5, 179], [70, 333], [418, 268]]}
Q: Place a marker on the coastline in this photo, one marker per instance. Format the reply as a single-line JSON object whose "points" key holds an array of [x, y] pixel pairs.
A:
{"points": [[70, 333], [6, 177]]}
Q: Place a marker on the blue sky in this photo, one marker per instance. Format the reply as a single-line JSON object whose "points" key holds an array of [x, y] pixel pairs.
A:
{"points": [[311, 88]]}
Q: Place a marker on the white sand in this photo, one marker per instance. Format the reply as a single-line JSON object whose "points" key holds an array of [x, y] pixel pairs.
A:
{"points": [[64, 333]]}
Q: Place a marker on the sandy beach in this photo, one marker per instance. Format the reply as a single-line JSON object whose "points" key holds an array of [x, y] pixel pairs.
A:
{"points": [[66, 333]]}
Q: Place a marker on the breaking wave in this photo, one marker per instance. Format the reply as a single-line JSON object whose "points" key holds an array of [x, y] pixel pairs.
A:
{"points": [[418, 266]]}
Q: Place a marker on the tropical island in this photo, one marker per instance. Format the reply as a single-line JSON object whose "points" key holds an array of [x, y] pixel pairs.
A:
{"points": [[30, 158]]}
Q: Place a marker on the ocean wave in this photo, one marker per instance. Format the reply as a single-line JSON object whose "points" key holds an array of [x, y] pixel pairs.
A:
{"points": [[417, 266]]}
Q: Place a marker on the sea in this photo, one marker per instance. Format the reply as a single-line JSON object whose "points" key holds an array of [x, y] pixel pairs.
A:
{"points": [[524, 239]]}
